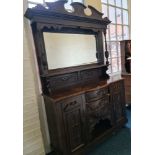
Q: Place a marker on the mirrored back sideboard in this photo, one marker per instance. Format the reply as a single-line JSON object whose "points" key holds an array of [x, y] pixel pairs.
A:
{"points": [[83, 103]]}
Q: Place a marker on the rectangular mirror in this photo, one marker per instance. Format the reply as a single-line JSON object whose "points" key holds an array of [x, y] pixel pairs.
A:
{"points": [[67, 50]]}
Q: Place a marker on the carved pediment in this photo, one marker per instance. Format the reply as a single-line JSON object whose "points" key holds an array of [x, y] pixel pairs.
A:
{"points": [[58, 8]]}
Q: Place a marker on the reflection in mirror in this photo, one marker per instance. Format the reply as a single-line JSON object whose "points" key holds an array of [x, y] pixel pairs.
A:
{"points": [[66, 50]]}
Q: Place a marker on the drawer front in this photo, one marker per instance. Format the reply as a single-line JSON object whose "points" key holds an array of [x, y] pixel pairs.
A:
{"points": [[95, 95], [90, 74], [71, 103], [93, 106], [61, 81]]}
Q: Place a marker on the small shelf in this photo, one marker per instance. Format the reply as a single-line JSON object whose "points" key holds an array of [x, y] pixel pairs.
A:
{"points": [[60, 71]]}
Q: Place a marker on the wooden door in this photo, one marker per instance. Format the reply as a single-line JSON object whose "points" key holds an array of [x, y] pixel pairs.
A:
{"points": [[117, 99], [74, 122]]}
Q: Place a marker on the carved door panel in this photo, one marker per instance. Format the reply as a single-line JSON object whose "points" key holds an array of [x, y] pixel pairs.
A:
{"points": [[74, 123], [117, 98], [99, 113]]}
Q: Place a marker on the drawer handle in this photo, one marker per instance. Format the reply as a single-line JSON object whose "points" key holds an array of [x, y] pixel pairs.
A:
{"points": [[65, 78]]}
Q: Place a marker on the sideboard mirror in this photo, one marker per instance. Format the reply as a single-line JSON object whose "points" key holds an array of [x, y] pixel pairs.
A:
{"points": [[68, 50]]}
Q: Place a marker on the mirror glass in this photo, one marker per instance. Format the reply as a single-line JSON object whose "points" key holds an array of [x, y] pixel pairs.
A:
{"points": [[66, 50]]}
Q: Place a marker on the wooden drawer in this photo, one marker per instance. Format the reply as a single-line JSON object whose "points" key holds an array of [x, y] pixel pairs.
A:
{"points": [[62, 81], [98, 108], [95, 105], [71, 103], [95, 95]]}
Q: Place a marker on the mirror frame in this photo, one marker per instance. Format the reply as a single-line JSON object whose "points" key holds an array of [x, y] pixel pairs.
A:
{"points": [[56, 19]]}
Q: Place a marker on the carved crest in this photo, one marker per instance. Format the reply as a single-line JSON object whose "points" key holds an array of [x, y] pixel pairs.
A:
{"points": [[58, 8]]}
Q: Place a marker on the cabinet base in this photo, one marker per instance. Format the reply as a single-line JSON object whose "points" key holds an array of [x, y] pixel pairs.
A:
{"points": [[84, 150]]}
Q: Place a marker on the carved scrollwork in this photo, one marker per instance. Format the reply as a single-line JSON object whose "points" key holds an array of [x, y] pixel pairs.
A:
{"points": [[58, 7], [56, 27], [89, 74], [70, 105], [61, 79], [106, 49], [47, 85], [106, 19]]}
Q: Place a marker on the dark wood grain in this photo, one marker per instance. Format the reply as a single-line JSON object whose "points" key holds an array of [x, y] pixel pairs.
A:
{"points": [[57, 19], [83, 103], [84, 108]]}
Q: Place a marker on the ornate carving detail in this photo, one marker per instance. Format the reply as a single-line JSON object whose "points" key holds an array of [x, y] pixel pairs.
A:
{"points": [[94, 121], [116, 87], [117, 98], [58, 7], [106, 50], [106, 20], [97, 109], [41, 26], [64, 78], [47, 86], [74, 126], [69, 105], [98, 94], [117, 105], [90, 74]]}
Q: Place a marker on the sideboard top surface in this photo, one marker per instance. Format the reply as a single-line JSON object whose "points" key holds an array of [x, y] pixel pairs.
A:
{"points": [[74, 91]]}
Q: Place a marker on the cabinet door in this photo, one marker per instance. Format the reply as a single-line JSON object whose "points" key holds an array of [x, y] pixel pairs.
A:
{"points": [[117, 98], [73, 116]]}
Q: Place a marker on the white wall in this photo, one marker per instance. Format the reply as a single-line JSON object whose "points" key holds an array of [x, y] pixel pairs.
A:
{"points": [[33, 143], [95, 3], [34, 118], [129, 6]]}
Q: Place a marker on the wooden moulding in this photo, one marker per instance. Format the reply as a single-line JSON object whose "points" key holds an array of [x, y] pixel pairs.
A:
{"points": [[68, 91], [54, 18], [54, 72]]}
